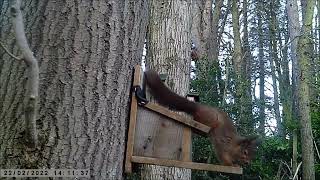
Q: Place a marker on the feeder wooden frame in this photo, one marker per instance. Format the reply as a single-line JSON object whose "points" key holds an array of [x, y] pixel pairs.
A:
{"points": [[188, 123]]}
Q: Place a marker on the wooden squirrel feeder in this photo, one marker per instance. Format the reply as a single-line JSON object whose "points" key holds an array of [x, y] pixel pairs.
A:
{"points": [[147, 145]]}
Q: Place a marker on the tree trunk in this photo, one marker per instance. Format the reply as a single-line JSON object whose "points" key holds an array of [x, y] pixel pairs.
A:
{"points": [[224, 17], [313, 67], [303, 8], [201, 26], [237, 54], [213, 47], [262, 115], [294, 30], [318, 8], [275, 67], [243, 97], [168, 52], [284, 80], [246, 45], [317, 98], [304, 61], [86, 52], [276, 103], [246, 67], [205, 25]]}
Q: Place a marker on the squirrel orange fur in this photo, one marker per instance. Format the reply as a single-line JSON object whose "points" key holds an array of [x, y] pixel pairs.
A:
{"points": [[231, 148]]}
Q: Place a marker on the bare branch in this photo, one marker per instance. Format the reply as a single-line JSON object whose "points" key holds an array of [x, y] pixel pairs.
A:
{"points": [[33, 73], [290, 42], [316, 147], [296, 173], [7, 51]]}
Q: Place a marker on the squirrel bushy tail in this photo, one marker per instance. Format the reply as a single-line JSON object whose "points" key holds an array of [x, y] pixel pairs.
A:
{"points": [[167, 97]]}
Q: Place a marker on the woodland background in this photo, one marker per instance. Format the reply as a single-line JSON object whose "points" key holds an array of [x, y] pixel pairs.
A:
{"points": [[259, 60]]}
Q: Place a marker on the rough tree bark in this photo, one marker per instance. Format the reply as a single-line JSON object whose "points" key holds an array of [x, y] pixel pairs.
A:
{"points": [[168, 51], [201, 25], [305, 54], [86, 52], [32, 87], [214, 44]]}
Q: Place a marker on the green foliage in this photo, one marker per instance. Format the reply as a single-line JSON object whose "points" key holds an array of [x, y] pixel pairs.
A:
{"points": [[207, 82], [133, 176], [270, 155], [202, 149], [291, 125], [203, 152], [315, 117], [317, 169]]}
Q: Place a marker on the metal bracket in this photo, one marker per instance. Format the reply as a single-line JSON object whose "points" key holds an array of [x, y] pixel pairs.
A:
{"points": [[140, 95]]}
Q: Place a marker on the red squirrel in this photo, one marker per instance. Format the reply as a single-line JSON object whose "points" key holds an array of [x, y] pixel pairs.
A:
{"points": [[231, 148]]}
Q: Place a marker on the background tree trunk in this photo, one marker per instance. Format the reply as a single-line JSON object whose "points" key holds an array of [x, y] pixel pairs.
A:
{"points": [[243, 93], [318, 8], [275, 66], [294, 30], [168, 51], [247, 71], [214, 44], [237, 54], [305, 55], [205, 26], [81, 47], [282, 67], [262, 115], [201, 25]]}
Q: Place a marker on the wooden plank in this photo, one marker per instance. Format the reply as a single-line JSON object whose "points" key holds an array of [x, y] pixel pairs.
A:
{"points": [[177, 117], [186, 141], [189, 165], [186, 144], [133, 119], [157, 135]]}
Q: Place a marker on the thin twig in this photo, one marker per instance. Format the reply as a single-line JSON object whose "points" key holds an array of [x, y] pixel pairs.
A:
{"points": [[287, 165], [298, 36], [7, 51], [279, 171], [315, 145], [296, 173], [33, 74]]}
